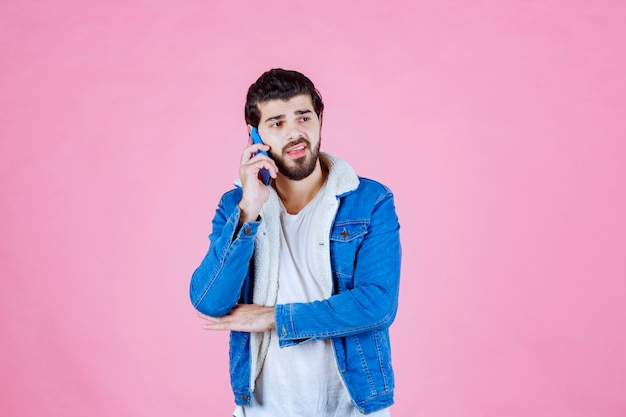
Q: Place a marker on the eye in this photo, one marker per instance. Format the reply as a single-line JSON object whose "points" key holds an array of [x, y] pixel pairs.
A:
{"points": [[276, 124], [305, 118]]}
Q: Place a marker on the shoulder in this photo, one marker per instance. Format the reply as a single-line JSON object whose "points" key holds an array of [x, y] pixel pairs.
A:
{"points": [[374, 189], [373, 185], [368, 193], [230, 199]]}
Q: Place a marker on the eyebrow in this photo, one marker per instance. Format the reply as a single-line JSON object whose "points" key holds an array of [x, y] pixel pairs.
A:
{"points": [[277, 117], [282, 116]]}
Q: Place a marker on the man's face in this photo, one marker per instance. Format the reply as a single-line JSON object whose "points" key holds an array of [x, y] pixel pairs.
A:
{"points": [[292, 130]]}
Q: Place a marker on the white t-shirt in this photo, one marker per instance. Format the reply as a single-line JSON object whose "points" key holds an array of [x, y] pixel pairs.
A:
{"points": [[301, 380]]}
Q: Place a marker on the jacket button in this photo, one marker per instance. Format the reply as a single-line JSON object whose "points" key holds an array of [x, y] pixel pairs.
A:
{"points": [[244, 398], [344, 233], [247, 230]]}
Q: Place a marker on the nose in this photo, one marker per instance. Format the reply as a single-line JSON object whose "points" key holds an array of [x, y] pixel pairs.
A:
{"points": [[292, 132]]}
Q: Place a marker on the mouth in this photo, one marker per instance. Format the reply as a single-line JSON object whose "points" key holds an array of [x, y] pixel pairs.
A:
{"points": [[297, 151]]}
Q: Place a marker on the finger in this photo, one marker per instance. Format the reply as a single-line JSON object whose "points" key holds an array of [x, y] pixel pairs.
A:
{"points": [[208, 318], [217, 323], [258, 162], [251, 151], [216, 326]]}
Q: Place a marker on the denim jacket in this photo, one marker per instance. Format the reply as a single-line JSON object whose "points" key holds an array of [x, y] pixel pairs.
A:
{"points": [[359, 254]]}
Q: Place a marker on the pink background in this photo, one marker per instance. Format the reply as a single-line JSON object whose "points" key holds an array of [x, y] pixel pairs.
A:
{"points": [[500, 126]]}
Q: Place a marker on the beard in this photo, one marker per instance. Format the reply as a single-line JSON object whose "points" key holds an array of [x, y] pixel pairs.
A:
{"points": [[297, 169]]}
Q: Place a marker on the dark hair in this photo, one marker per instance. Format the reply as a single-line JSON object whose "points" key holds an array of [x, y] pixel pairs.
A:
{"points": [[279, 84]]}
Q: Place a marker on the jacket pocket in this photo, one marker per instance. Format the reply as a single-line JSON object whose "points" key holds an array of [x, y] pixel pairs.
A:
{"points": [[345, 240], [349, 230]]}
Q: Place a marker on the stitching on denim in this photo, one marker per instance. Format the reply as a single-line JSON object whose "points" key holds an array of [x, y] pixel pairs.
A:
{"points": [[354, 221], [366, 368], [380, 359], [374, 396], [240, 350], [293, 326], [361, 231]]}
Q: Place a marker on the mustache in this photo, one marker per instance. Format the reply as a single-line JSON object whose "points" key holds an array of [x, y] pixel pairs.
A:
{"points": [[296, 142]]}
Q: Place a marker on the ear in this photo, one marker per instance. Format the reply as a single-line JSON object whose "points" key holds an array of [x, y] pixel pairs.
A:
{"points": [[249, 129]]}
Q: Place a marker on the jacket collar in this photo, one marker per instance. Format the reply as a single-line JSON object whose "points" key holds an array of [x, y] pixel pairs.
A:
{"points": [[341, 177]]}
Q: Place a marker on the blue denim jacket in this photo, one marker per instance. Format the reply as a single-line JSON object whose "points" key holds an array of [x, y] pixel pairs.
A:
{"points": [[362, 244]]}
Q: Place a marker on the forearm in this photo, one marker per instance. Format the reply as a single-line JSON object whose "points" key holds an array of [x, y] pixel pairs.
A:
{"points": [[366, 286], [216, 284], [371, 305], [339, 316]]}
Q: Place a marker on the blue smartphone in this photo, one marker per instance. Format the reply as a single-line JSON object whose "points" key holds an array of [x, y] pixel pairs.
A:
{"points": [[256, 138]]}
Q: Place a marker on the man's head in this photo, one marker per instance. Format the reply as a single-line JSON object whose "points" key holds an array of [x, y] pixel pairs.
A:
{"points": [[282, 85], [287, 110]]}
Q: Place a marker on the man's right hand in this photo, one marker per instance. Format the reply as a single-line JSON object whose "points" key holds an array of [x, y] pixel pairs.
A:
{"points": [[254, 192]]}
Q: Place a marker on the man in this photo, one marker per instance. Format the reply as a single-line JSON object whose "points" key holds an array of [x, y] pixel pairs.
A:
{"points": [[303, 272]]}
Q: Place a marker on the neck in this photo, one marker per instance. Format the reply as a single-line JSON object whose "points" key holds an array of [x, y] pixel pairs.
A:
{"points": [[295, 195]]}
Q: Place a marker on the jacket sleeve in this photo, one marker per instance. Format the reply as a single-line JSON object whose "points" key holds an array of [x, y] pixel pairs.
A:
{"points": [[371, 302], [216, 285]]}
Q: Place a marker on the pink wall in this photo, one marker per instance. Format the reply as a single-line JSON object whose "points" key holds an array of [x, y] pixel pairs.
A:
{"points": [[501, 127]]}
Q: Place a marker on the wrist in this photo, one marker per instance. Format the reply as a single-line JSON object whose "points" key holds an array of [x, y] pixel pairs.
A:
{"points": [[271, 318], [248, 212]]}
